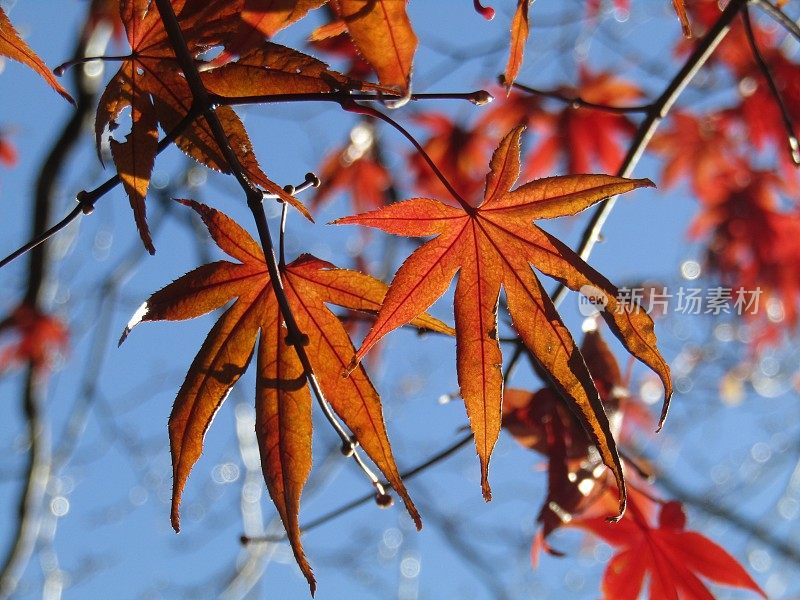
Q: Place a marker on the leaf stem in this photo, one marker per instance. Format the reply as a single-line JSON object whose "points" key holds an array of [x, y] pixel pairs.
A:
{"points": [[61, 69], [371, 112], [478, 97]]}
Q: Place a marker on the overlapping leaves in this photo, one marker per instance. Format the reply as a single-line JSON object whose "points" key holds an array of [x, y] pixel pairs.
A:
{"points": [[494, 245], [152, 86], [283, 404]]}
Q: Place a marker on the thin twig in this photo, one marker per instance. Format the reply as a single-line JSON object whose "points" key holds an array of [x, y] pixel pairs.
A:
{"points": [[781, 17], [478, 97], [794, 146], [88, 199], [578, 102]]}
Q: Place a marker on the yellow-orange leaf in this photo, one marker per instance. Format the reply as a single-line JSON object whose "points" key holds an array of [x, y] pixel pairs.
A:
{"points": [[151, 70], [274, 69], [493, 246], [134, 159], [270, 16], [382, 32], [519, 36], [283, 427], [15, 48], [283, 404]]}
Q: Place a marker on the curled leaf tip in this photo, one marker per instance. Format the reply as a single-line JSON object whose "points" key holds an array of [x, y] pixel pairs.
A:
{"points": [[487, 491], [623, 504], [134, 321], [175, 519], [664, 411]]}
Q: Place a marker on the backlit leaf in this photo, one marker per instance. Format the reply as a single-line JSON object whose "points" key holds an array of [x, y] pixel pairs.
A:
{"points": [[494, 245]]}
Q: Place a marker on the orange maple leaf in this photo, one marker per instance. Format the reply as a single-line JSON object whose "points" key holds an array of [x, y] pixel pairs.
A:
{"points": [[494, 244], [519, 37], [151, 84], [15, 48], [674, 558], [283, 407], [382, 32]]}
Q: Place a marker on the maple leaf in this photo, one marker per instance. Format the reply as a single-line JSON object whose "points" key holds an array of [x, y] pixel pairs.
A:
{"points": [[355, 170], [674, 558], [151, 84], [753, 245], [283, 420], [334, 39], [275, 69], [15, 48], [519, 36], [382, 32], [270, 16], [702, 149], [576, 482], [585, 137], [494, 244], [8, 153], [459, 153], [39, 336]]}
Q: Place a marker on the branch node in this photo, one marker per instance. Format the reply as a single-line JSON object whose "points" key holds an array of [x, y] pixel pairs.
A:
{"points": [[86, 204], [297, 339], [349, 447], [384, 500]]}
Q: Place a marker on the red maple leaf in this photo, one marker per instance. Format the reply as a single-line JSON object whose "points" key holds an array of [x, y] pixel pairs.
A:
{"points": [[585, 137], [753, 245], [459, 153], [674, 559], [703, 149], [577, 483], [38, 337], [356, 171]]}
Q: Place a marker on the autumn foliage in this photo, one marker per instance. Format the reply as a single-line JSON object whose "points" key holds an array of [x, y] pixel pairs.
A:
{"points": [[188, 63]]}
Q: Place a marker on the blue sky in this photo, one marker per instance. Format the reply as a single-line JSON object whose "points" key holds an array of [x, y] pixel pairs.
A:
{"points": [[109, 503]]}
